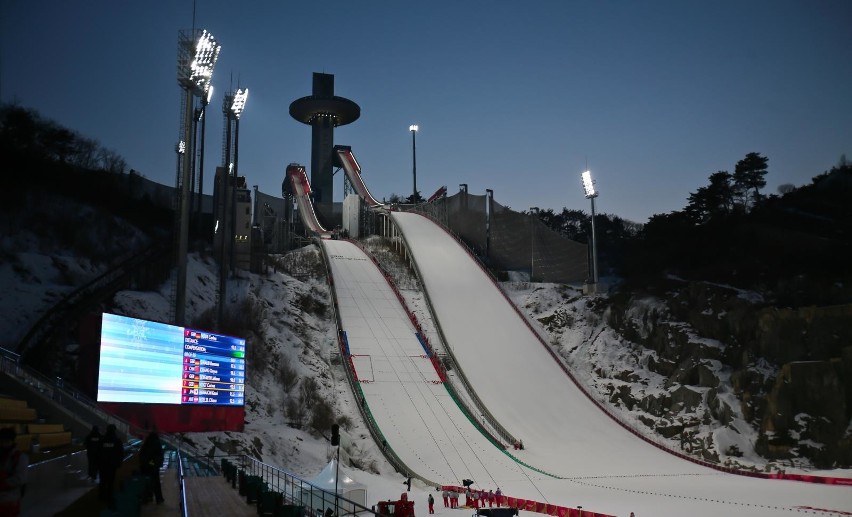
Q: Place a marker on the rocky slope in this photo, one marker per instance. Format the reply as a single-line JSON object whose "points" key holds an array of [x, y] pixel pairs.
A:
{"points": [[712, 370]]}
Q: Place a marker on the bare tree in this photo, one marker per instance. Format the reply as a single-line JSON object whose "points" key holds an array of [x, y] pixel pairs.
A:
{"points": [[111, 161], [786, 188]]}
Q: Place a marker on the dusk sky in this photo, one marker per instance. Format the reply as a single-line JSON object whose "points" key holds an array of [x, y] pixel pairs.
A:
{"points": [[513, 96]]}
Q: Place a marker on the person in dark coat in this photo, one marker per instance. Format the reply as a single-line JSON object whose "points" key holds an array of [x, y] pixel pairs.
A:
{"points": [[13, 474], [431, 502], [93, 446], [110, 456], [150, 460]]}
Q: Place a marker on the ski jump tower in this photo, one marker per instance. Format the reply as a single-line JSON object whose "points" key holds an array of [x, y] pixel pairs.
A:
{"points": [[324, 111]]}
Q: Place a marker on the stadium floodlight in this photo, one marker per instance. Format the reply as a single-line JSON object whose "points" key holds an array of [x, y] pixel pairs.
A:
{"points": [[589, 185], [206, 54], [413, 127], [197, 56], [238, 103], [591, 194]]}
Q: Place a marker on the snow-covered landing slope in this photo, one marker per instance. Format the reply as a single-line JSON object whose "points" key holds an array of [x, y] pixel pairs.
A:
{"points": [[414, 411], [564, 433]]}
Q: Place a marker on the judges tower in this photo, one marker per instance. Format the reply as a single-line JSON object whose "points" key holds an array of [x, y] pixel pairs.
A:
{"points": [[323, 111]]}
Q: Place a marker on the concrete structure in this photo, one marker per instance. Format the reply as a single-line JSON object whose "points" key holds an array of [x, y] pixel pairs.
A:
{"points": [[240, 238], [324, 111]]}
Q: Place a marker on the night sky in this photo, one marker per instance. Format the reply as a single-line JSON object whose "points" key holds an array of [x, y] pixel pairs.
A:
{"points": [[513, 96]]}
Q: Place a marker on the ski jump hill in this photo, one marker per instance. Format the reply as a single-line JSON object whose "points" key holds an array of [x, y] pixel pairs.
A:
{"points": [[576, 460]]}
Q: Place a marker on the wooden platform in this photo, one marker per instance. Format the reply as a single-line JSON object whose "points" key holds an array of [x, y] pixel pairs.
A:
{"points": [[206, 496]]}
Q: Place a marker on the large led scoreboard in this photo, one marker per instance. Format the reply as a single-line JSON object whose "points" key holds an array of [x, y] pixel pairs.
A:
{"points": [[214, 369], [148, 362]]}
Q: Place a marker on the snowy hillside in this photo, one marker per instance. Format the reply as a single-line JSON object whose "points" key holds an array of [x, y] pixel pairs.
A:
{"points": [[44, 256], [296, 382], [705, 422], [296, 376]]}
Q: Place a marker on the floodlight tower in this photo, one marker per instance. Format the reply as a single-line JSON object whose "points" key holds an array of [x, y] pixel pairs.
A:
{"points": [[413, 128], [489, 212], [232, 107], [323, 111], [200, 113], [591, 193], [533, 216], [235, 103], [197, 55]]}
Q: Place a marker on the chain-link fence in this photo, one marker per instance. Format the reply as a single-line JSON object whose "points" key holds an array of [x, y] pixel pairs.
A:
{"points": [[516, 242]]}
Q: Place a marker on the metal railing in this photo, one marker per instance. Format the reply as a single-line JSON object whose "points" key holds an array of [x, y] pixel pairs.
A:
{"points": [[74, 403], [184, 511], [297, 491]]}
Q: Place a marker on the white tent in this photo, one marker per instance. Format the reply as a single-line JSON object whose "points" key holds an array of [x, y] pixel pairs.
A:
{"points": [[347, 488]]}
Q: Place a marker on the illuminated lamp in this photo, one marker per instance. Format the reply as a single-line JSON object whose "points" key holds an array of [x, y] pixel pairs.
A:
{"points": [[591, 194], [238, 104]]}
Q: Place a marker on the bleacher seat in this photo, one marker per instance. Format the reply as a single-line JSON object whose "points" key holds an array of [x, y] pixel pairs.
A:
{"points": [[15, 410], [19, 414], [10, 402], [45, 428], [254, 488], [51, 440], [15, 413], [269, 502]]}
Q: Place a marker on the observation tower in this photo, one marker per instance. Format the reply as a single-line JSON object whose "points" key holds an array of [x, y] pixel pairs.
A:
{"points": [[323, 111]]}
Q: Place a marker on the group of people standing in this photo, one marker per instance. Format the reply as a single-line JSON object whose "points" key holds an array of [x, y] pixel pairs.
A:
{"points": [[474, 498], [105, 454]]}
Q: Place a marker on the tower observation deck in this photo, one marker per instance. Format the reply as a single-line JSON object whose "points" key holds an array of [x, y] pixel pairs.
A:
{"points": [[323, 111]]}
